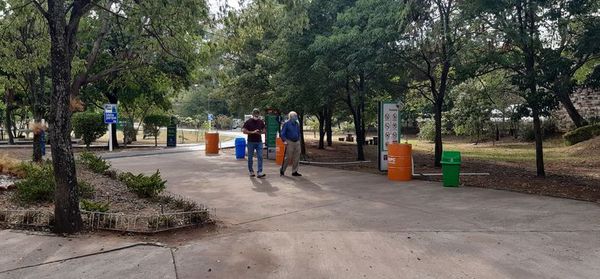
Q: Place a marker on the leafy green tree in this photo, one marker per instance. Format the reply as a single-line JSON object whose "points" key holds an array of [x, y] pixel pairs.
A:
{"points": [[156, 26], [153, 123], [518, 25], [24, 49]]}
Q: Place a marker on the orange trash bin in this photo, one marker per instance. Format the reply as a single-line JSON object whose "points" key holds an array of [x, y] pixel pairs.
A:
{"points": [[279, 151], [212, 143], [400, 162]]}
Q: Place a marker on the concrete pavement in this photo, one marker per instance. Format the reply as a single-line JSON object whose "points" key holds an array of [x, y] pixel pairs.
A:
{"points": [[337, 224]]}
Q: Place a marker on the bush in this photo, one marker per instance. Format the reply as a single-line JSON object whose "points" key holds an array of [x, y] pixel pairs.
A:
{"points": [[526, 132], [37, 184], [427, 130], [89, 126], [85, 190], [94, 163], [144, 186], [93, 206], [582, 134]]}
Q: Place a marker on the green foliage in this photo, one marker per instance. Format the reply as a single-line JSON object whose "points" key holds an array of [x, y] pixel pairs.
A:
{"points": [[85, 190], [37, 184], [144, 186], [153, 123], [94, 163], [472, 111], [93, 206], [223, 122], [89, 126], [582, 134], [427, 130]]}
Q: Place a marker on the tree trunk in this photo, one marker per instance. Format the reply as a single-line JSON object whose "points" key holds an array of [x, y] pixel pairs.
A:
{"points": [[321, 118], [565, 100], [302, 144], [37, 92], [328, 124], [67, 218], [539, 150], [438, 135], [8, 121]]}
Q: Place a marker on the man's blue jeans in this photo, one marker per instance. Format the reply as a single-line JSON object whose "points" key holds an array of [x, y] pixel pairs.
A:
{"points": [[258, 146]]}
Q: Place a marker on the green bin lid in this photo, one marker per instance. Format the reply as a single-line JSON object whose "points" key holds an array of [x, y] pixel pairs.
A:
{"points": [[451, 157]]}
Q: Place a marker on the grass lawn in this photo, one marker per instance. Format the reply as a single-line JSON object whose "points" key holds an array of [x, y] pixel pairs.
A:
{"points": [[183, 137], [506, 150]]}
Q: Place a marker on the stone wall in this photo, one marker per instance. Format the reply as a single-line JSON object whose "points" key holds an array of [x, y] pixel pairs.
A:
{"points": [[587, 102]]}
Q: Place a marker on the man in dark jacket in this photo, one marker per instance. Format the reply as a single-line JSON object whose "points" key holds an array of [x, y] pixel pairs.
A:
{"points": [[254, 128], [290, 134]]}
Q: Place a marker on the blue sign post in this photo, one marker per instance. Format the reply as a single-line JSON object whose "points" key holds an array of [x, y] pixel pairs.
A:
{"points": [[111, 116]]}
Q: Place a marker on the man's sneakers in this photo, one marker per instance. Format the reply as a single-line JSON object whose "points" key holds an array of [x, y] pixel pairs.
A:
{"points": [[260, 174], [281, 173], [296, 174]]}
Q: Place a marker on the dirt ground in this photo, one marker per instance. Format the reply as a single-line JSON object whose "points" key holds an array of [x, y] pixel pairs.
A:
{"points": [[571, 172], [107, 189]]}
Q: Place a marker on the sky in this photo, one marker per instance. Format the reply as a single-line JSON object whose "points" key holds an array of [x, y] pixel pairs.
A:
{"points": [[214, 4]]}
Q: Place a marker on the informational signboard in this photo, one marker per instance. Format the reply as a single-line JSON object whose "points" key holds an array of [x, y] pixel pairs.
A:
{"points": [[389, 130], [172, 135], [272, 124], [111, 116]]}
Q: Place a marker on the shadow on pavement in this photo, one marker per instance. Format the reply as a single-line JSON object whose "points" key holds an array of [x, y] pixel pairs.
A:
{"points": [[263, 186]]}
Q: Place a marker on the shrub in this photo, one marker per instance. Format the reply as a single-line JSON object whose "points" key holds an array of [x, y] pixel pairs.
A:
{"points": [[94, 163], [85, 190], [526, 132], [582, 134], [144, 186], [89, 126], [37, 184], [93, 206], [427, 130], [153, 123]]}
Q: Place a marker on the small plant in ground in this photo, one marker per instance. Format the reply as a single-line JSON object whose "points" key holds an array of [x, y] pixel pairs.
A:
{"points": [[85, 190], [94, 163], [199, 217], [37, 184], [144, 186], [184, 204], [92, 206], [30, 217], [2, 217]]}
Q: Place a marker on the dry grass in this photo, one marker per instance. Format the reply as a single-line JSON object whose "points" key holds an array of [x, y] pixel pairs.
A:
{"points": [[10, 166]]}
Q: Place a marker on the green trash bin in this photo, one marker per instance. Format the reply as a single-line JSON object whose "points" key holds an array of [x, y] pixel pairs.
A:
{"points": [[451, 168]]}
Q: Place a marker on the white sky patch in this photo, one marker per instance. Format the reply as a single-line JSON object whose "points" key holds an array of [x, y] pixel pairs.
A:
{"points": [[215, 4]]}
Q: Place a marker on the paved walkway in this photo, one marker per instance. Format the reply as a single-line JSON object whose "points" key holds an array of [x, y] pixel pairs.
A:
{"points": [[332, 224]]}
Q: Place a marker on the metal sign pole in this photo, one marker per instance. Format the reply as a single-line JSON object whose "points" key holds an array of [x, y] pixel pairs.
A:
{"points": [[110, 138]]}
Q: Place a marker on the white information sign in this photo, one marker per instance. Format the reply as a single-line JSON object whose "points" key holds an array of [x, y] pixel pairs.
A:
{"points": [[389, 130]]}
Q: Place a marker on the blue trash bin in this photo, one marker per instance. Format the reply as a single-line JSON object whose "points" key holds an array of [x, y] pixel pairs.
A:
{"points": [[240, 148]]}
